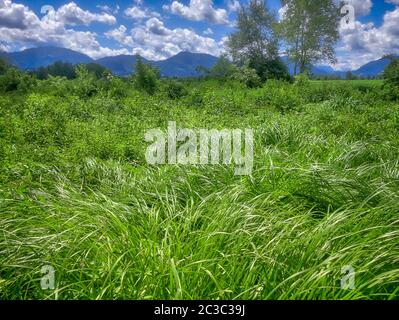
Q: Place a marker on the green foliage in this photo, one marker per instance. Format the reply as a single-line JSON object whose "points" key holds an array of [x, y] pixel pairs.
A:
{"points": [[85, 82], [255, 24], [302, 80], [78, 194], [282, 96], [391, 79], [13, 80], [146, 77], [255, 44], [57, 69], [270, 69], [249, 77], [351, 76], [4, 66], [310, 31], [223, 68], [97, 70], [175, 90], [113, 86], [196, 98], [67, 70], [10, 80]]}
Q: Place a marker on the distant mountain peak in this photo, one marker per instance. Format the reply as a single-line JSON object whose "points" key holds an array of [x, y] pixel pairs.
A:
{"points": [[33, 58], [183, 64], [375, 68]]}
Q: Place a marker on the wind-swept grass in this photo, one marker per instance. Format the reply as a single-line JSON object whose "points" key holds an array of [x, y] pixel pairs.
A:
{"points": [[77, 194]]}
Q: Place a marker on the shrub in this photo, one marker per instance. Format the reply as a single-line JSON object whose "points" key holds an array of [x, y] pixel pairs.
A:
{"points": [[175, 90], [196, 98], [85, 83], [282, 96], [4, 65], [302, 80], [10, 80], [270, 69], [56, 86], [112, 86], [391, 79], [223, 68], [249, 77], [26, 82], [146, 77]]}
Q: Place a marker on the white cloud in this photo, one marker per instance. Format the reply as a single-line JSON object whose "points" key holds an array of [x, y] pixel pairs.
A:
{"points": [[233, 5], [395, 2], [199, 10], [71, 14], [138, 13], [366, 42], [4, 47], [108, 9], [155, 41], [16, 16], [120, 36], [208, 32], [20, 27], [362, 7]]}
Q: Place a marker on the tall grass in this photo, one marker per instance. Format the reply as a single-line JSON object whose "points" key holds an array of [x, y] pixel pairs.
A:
{"points": [[77, 194]]}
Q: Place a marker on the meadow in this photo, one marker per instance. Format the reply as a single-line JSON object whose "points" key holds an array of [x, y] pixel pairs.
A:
{"points": [[76, 193]]}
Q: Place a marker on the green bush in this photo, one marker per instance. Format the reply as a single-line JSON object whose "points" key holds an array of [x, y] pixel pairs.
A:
{"points": [[113, 87], [4, 66], [391, 79], [271, 69], [196, 98], [302, 80], [175, 90], [146, 77], [10, 80], [249, 77], [281, 96], [85, 82], [223, 68]]}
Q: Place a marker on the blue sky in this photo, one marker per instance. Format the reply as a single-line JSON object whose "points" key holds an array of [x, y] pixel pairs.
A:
{"points": [[160, 29]]}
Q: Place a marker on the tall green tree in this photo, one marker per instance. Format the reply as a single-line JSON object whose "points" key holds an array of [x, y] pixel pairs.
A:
{"points": [[146, 77], [4, 65], [223, 68], [310, 31], [255, 43]]}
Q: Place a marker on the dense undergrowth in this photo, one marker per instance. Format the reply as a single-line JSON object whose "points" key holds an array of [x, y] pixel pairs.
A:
{"points": [[76, 193]]}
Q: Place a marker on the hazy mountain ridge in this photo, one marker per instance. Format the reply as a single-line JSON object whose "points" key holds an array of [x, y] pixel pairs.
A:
{"points": [[373, 67], [184, 64]]}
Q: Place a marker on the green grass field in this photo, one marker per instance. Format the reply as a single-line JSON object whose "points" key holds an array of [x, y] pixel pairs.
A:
{"points": [[76, 193], [358, 84]]}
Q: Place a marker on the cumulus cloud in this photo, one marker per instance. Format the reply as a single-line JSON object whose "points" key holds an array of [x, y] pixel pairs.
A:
{"points": [[16, 16], [71, 14], [233, 5], [155, 41], [362, 7], [20, 27], [199, 10], [367, 42], [120, 36], [139, 13], [108, 9]]}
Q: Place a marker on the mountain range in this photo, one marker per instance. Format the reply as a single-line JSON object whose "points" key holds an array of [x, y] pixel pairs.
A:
{"points": [[184, 64]]}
